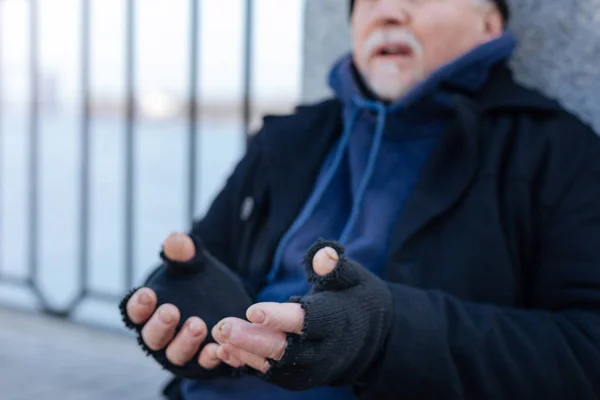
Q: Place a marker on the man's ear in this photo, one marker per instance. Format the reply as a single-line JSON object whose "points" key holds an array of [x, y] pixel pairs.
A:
{"points": [[492, 22]]}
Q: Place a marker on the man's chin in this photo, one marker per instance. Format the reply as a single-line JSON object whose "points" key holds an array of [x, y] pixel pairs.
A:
{"points": [[390, 92]]}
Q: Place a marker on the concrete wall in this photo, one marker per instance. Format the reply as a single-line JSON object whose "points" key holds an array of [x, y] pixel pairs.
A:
{"points": [[559, 49]]}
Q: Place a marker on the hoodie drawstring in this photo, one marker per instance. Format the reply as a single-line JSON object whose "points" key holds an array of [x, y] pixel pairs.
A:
{"points": [[370, 167], [315, 197], [317, 194]]}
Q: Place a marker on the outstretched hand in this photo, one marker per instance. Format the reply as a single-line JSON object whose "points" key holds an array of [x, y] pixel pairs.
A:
{"points": [[328, 337], [265, 336], [186, 288]]}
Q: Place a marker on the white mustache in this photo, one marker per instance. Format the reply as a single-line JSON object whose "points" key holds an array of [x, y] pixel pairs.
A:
{"points": [[384, 36]]}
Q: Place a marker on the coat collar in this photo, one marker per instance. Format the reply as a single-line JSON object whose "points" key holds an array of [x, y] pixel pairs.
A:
{"points": [[453, 165], [502, 93], [295, 146], [445, 177], [298, 140]]}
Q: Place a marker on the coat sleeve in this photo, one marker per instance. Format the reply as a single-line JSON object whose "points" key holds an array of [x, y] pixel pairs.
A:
{"points": [[441, 347]]}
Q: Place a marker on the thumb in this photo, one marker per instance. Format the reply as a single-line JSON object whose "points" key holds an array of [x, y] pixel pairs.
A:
{"points": [[328, 269], [179, 247], [325, 261]]}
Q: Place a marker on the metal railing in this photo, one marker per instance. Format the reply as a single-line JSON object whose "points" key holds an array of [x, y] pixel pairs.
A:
{"points": [[31, 280]]}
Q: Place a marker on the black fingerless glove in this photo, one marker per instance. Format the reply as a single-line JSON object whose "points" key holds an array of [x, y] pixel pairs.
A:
{"points": [[201, 287], [347, 317]]}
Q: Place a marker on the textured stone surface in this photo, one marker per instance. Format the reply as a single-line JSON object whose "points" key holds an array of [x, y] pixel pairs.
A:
{"points": [[326, 37], [559, 49]]}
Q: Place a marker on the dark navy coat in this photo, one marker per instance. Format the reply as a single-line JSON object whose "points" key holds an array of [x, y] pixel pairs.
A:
{"points": [[495, 258]]}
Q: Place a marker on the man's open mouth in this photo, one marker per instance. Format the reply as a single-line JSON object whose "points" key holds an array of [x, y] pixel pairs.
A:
{"points": [[393, 50]]}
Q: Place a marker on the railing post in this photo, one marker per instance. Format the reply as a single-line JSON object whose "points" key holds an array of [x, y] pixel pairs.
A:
{"points": [[34, 153], [84, 181], [193, 109], [248, 33], [130, 68]]}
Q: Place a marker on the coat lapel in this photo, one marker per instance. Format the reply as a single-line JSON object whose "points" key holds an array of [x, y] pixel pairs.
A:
{"points": [[295, 147], [448, 173], [454, 163]]}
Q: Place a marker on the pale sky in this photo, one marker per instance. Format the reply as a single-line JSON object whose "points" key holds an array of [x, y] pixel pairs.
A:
{"points": [[162, 47]]}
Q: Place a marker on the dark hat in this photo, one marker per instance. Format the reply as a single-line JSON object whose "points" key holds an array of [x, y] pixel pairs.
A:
{"points": [[502, 6]]}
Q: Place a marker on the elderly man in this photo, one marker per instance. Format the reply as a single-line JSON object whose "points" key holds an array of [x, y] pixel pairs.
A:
{"points": [[448, 219]]}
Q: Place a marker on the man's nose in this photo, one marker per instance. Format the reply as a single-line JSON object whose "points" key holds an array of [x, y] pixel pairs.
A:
{"points": [[392, 12]]}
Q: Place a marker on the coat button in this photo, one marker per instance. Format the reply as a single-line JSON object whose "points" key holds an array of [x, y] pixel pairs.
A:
{"points": [[247, 208]]}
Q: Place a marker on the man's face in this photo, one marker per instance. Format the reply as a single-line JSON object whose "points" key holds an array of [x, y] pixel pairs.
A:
{"points": [[398, 43]]}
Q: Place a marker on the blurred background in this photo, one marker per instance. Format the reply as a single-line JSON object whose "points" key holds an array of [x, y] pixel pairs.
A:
{"points": [[120, 121]]}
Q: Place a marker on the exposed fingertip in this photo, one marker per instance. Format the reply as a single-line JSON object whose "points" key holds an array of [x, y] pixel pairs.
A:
{"points": [[145, 297], [325, 261], [168, 313], [225, 329], [223, 354], [208, 356], [332, 254], [179, 247], [196, 326], [141, 305], [256, 315], [217, 332], [212, 350]]}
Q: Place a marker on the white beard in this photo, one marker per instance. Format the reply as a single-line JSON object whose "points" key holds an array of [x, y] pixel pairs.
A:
{"points": [[386, 79], [390, 82]]}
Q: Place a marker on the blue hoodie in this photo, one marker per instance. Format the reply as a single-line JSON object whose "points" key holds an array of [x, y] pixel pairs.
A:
{"points": [[371, 170], [361, 189]]}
